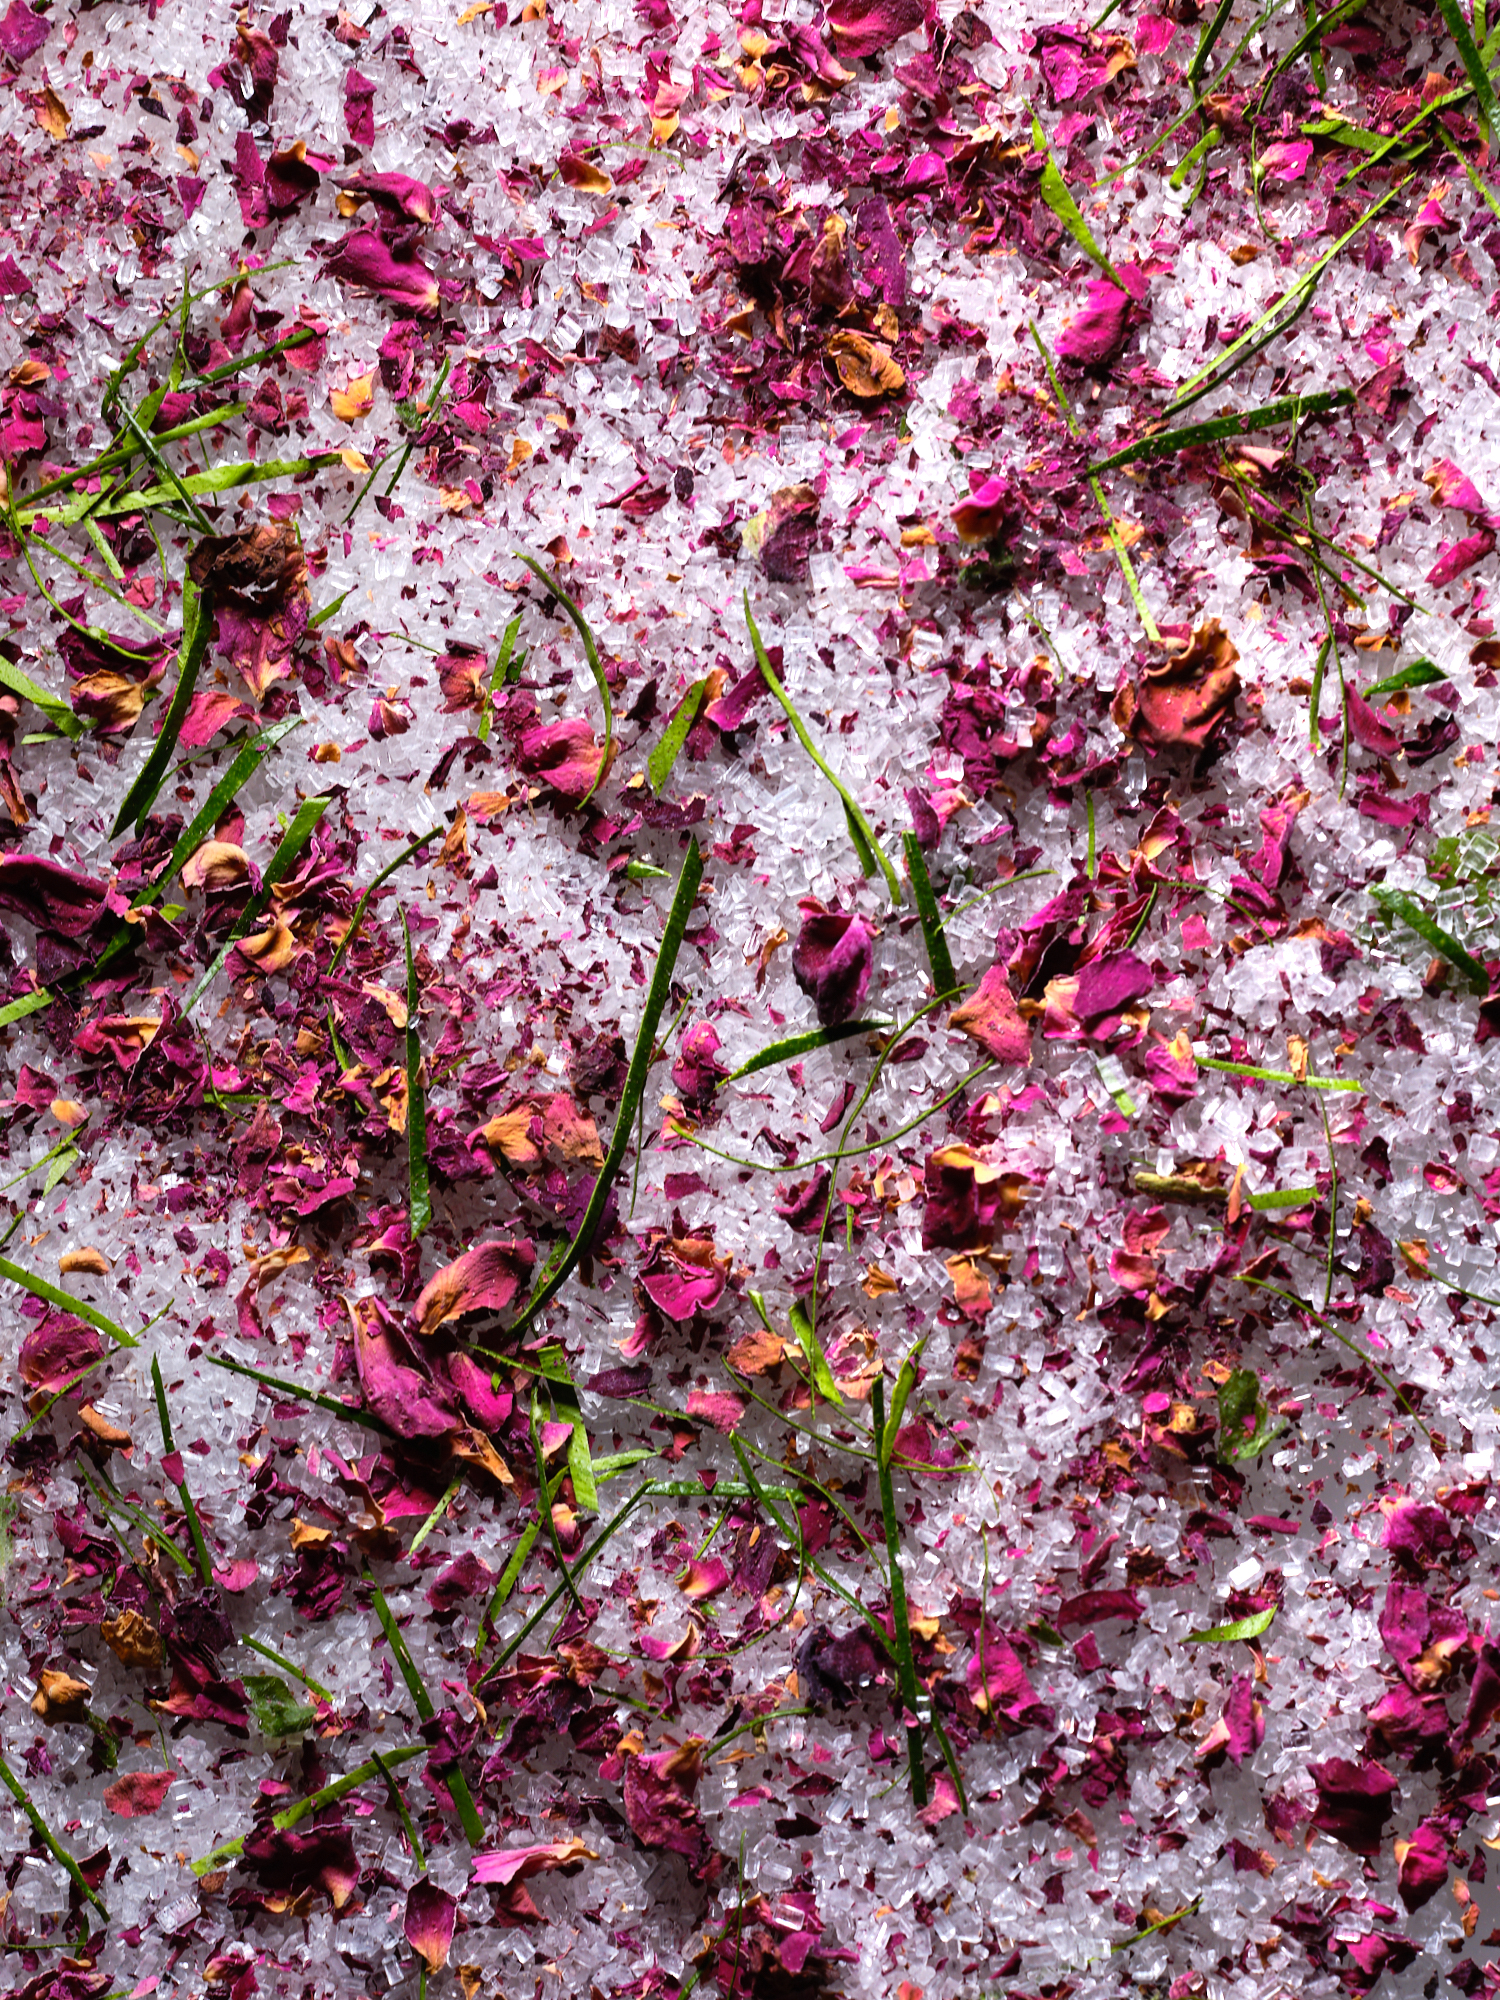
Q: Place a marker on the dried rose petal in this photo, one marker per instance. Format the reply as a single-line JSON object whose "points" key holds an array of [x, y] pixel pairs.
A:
{"points": [[866, 27], [138, 1794], [1185, 700], [364, 258], [484, 1279], [430, 1917], [993, 1019], [832, 960]]}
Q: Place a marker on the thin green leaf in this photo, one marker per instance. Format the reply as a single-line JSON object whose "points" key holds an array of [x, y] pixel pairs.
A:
{"points": [[801, 1045], [195, 1527], [1420, 674], [1212, 29], [433, 1518], [1162, 1923], [1312, 36], [590, 653], [48, 1839], [665, 754], [1277, 1075], [500, 676], [53, 1295], [580, 1460], [635, 1085], [57, 712], [864, 846], [944, 979], [1274, 1198], [328, 611], [611, 1527], [1190, 159], [417, 1688], [1342, 133], [413, 847], [1469, 56], [1238, 1628], [279, 1384], [282, 862], [30, 1003], [510, 1576], [291, 1815], [1269, 416], [1111, 525], [280, 1659], [277, 1711], [142, 500], [1396, 903], [1241, 1404], [906, 1671], [871, 849], [906, 1381], [419, 1213], [1297, 298], [1331, 1326], [399, 1807], [197, 624], [1054, 191], [817, 1361]]}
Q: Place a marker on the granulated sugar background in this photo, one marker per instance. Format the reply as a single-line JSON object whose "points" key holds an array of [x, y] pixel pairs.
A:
{"points": [[997, 1499]]}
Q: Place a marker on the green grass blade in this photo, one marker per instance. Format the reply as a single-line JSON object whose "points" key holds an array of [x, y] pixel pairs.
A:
{"points": [[57, 712], [197, 623], [53, 1295], [906, 1670], [293, 841], [502, 673], [611, 1528], [457, 1784], [434, 1517], [817, 1361], [1212, 29], [328, 611], [44, 1833], [413, 847], [590, 653], [866, 845], [1275, 1198], [944, 979], [1218, 371], [510, 1576], [1277, 1075], [195, 1526], [291, 1815], [247, 762], [635, 1084], [801, 1045], [289, 1666], [350, 1411], [1474, 68], [1398, 904], [1054, 191], [29, 1003], [1270, 416], [1312, 36], [420, 1207], [668, 749]]}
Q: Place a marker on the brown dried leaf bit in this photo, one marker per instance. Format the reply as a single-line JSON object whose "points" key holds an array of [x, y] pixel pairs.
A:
{"points": [[133, 1639], [59, 1698]]}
